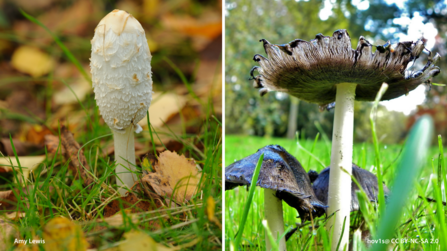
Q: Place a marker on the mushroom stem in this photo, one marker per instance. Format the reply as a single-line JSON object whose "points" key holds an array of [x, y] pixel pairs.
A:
{"points": [[125, 159], [339, 196], [274, 216]]}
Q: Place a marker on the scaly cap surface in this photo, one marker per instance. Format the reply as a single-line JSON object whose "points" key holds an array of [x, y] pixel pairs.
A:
{"points": [[121, 70]]}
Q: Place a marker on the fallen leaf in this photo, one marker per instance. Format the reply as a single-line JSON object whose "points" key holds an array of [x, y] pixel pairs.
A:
{"points": [[7, 199], [62, 234], [21, 148], [80, 89], [139, 241], [163, 106], [208, 26], [52, 144], [6, 231], [15, 215], [28, 164], [36, 134], [210, 208], [118, 219], [32, 61], [78, 162], [175, 176]]}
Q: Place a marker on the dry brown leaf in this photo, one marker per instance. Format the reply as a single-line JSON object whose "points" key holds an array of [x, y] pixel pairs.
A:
{"points": [[52, 144], [139, 241], [62, 234], [209, 26], [163, 107], [174, 174], [36, 134], [33, 6], [21, 148], [6, 231], [65, 96], [28, 164], [15, 215], [32, 61], [118, 219], [78, 162], [72, 20], [202, 30], [6, 199]]}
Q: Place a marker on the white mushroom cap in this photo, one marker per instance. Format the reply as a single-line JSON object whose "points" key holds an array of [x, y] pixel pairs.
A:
{"points": [[121, 70]]}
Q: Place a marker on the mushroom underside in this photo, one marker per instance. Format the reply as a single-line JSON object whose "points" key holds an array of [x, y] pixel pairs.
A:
{"points": [[311, 70], [281, 172]]}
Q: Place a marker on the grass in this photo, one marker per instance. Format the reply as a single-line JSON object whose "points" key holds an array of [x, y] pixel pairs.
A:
{"points": [[421, 223], [53, 191]]}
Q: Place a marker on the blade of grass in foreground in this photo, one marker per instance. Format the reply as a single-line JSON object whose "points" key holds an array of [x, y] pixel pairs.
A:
{"points": [[251, 192], [407, 170]]}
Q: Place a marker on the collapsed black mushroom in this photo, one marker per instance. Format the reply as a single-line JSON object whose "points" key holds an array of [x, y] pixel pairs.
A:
{"points": [[366, 179], [283, 178]]}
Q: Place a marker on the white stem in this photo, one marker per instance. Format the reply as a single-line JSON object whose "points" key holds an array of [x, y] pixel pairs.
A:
{"points": [[125, 159], [273, 215], [339, 197]]}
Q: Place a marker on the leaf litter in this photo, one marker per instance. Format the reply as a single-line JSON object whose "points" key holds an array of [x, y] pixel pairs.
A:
{"points": [[36, 103]]}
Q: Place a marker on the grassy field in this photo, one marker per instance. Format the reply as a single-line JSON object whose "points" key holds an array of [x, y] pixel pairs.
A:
{"points": [[419, 223]]}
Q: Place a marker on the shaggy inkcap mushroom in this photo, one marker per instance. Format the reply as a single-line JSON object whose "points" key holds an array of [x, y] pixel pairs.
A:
{"points": [[122, 82], [121, 70], [283, 178], [327, 69], [366, 179], [310, 70]]}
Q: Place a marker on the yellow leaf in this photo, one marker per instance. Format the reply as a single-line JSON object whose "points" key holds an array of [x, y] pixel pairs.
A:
{"points": [[118, 219], [210, 208], [15, 215], [28, 164], [175, 175], [65, 96], [146, 165], [139, 241], [62, 234], [163, 107], [32, 61]]}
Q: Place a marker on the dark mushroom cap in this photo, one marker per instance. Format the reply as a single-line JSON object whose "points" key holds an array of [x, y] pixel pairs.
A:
{"points": [[366, 179], [310, 70], [280, 171]]}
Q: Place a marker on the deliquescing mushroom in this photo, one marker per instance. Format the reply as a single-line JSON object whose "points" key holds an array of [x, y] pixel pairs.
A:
{"points": [[327, 69], [368, 182], [283, 178], [366, 179], [122, 82]]}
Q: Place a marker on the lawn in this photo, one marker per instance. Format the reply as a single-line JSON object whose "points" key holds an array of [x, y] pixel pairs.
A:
{"points": [[418, 227]]}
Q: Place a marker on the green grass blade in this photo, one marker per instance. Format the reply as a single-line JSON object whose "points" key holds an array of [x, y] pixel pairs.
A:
{"points": [[251, 192], [381, 195], [407, 170]]}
